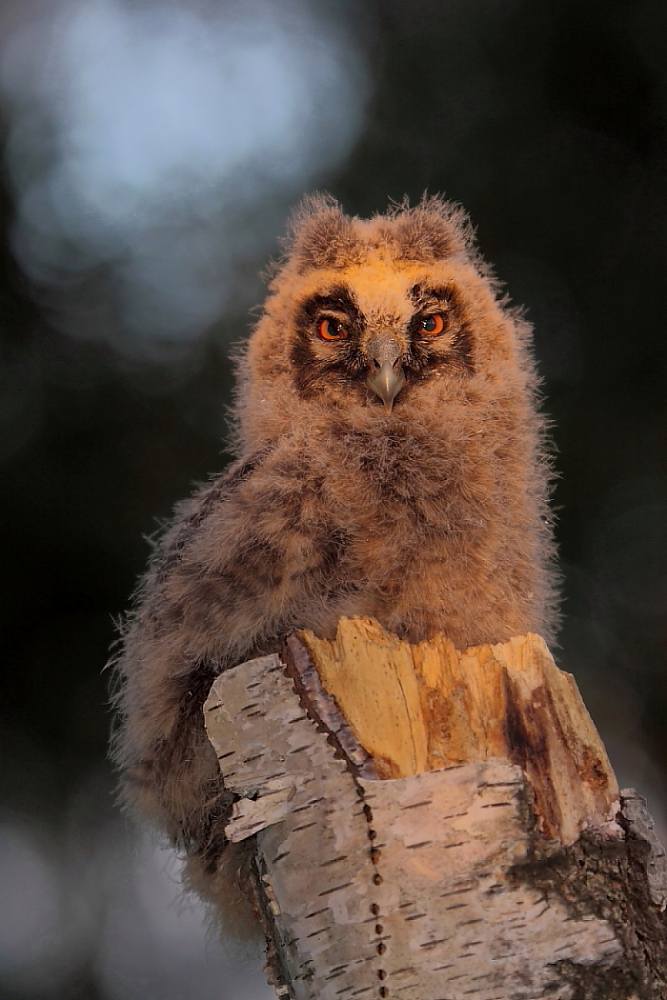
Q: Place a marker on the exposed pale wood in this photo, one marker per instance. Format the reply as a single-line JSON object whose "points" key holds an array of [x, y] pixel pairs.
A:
{"points": [[371, 675], [421, 707]]}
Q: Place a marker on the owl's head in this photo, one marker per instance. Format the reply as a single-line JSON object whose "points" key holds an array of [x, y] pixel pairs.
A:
{"points": [[373, 318]]}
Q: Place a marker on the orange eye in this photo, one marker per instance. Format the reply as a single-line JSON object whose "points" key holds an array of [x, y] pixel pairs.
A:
{"points": [[329, 329], [433, 325]]}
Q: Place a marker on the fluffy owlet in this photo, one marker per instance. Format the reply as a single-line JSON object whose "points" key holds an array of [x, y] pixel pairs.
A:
{"points": [[391, 463]]}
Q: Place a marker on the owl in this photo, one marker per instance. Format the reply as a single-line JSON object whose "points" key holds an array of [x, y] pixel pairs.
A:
{"points": [[391, 462]]}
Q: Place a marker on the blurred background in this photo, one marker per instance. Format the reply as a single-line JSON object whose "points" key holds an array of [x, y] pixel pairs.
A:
{"points": [[151, 151]]}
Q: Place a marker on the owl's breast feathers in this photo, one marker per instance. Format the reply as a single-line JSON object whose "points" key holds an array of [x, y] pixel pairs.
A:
{"points": [[407, 523]]}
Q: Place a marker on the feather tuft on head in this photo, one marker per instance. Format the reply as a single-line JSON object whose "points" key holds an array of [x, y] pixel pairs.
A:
{"points": [[434, 229], [319, 234]]}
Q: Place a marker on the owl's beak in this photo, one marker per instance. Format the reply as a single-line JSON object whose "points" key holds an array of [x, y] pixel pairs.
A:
{"points": [[387, 378]]}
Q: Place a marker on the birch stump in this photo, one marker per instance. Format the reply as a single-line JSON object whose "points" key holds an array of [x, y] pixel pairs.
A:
{"points": [[435, 824]]}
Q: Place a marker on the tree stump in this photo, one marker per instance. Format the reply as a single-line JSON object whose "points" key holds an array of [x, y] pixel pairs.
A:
{"points": [[435, 824]]}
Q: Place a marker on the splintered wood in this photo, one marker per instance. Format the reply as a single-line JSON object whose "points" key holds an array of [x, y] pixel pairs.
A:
{"points": [[450, 878], [416, 708]]}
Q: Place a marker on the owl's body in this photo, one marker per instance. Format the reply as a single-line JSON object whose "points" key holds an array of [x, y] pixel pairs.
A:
{"points": [[420, 500]]}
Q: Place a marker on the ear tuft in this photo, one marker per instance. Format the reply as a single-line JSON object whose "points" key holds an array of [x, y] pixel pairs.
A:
{"points": [[319, 234], [433, 230]]}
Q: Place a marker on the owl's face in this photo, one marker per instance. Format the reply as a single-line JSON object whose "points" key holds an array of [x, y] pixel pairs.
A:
{"points": [[376, 331], [372, 319]]}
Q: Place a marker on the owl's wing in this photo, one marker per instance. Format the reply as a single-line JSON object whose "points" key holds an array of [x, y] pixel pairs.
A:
{"points": [[176, 641]]}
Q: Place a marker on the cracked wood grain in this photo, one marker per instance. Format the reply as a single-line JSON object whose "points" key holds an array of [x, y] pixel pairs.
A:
{"points": [[419, 707]]}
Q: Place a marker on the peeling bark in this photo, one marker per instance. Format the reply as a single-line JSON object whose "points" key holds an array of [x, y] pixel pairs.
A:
{"points": [[451, 882]]}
